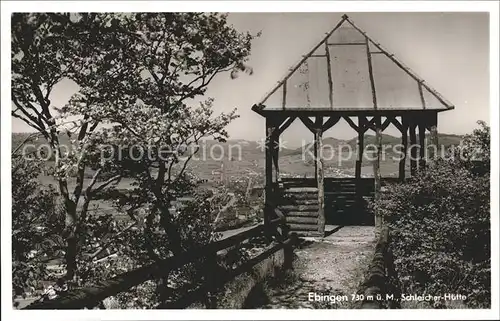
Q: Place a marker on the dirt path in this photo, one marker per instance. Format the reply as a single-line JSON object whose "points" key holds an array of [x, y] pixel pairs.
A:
{"points": [[330, 266]]}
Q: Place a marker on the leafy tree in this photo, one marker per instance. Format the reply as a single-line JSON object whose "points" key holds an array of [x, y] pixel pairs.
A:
{"points": [[139, 76], [47, 48], [177, 56]]}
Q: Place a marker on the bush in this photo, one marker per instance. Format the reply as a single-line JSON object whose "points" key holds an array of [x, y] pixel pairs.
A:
{"points": [[194, 221], [440, 225]]}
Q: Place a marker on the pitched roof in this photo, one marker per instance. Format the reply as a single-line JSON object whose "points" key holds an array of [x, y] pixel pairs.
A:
{"points": [[348, 70]]}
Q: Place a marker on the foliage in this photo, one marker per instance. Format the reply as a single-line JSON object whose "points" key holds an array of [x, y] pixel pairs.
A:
{"points": [[440, 225], [140, 78], [474, 151], [36, 227], [193, 218]]}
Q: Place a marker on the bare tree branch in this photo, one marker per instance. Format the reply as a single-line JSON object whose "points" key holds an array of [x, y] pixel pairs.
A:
{"points": [[113, 179], [108, 243], [30, 137]]}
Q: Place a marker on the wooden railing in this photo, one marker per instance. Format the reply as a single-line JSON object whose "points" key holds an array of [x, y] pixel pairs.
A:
{"points": [[92, 296], [380, 289]]}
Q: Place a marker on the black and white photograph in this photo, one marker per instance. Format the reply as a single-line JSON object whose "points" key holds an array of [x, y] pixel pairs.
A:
{"points": [[217, 160]]}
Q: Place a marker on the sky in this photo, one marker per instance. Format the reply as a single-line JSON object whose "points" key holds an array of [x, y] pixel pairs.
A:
{"points": [[450, 51]]}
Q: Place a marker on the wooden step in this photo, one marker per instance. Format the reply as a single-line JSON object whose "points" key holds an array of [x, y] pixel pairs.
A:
{"points": [[343, 184], [343, 212], [298, 184], [300, 208], [341, 188], [341, 193], [360, 183], [347, 184], [308, 233], [301, 191], [300, 196], [303, 227], [334, 203], [347, 189], [299, 201], [347, 193], [302, 220], [304, 201], [308, 190], [349, 179], [290, 197], [341, 206], [343, 197], [302, 214], [343, 203]]}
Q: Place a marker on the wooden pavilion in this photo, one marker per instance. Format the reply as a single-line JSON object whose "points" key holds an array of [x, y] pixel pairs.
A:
{"points": [[349, 76]]}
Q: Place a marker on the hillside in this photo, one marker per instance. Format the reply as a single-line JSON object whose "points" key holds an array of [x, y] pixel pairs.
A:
{"points": [[246, 145], [370, 139], [240, 158], [445, 139], [35, 140]]}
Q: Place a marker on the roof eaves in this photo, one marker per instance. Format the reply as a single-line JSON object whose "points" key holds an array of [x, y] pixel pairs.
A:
{"points": [[296, 66], [407, 69]]}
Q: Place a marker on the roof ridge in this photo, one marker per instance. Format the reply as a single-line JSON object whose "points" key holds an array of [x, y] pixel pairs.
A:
{"points": [[290, 71], [367, 39], [403, 66]]}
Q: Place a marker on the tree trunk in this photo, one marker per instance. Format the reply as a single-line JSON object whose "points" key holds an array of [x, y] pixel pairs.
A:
{"points": [[71, 253], [171, 229], [70, 234], [71, 218]]}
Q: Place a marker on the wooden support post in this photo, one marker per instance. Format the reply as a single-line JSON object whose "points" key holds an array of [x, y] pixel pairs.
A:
{"points": [[359, 161], [376, 170], [433, 136], [329, 74], [315, 157], [318, 124], [269, 190], [413, 151], [421, 143], [404, 151], [361, 146], [318, 142], [370, 73], [275, 154], [283, 100]]}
